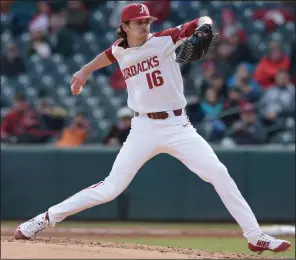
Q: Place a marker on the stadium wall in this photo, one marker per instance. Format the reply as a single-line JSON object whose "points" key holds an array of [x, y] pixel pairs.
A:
{"points": [[33, 179]]}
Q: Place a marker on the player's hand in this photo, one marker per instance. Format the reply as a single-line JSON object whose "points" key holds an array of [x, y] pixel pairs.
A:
{"points": [[78, 81]]}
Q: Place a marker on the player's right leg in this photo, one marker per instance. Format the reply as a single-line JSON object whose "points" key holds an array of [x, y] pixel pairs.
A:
{"points": [[137, 149]]}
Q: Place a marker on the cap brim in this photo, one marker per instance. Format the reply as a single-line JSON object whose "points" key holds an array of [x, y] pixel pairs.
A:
{"points": [[143, 17]]}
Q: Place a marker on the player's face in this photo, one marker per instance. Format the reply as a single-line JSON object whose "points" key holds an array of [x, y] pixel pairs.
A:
{"points": [[138, 29]]}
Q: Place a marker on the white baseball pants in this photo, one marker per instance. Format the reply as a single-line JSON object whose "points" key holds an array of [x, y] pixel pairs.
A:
{"points": [[177, 137]]}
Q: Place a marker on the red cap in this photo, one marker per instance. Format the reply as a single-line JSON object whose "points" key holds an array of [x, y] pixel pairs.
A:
{"points": [[135, 12]]}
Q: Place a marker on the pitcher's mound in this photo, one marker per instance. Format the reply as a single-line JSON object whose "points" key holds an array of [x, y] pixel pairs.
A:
{"points": [[51, 248]]}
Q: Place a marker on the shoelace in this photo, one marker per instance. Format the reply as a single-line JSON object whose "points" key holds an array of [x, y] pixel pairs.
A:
{"points": [[34, 222], [267, 237]]}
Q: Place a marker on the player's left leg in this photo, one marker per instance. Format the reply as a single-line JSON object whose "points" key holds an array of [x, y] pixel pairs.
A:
{"points": [[191, 149]]}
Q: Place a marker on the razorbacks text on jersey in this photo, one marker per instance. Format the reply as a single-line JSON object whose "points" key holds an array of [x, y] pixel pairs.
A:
{"points": [[153, 77]]}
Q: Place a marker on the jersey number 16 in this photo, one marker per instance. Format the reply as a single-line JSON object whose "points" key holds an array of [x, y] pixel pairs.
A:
{"points": [[154, 79]]}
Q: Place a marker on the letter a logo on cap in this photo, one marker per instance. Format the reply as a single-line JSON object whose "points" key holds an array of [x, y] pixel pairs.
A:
{"points": [[144, 9]]}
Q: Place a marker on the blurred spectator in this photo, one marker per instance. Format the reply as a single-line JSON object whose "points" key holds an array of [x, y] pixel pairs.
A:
{"points": [[211, 106], [247, 130], [117, 81], [278, 102], [232, 106], [39, 45], [11, 63], [40, 21], [244, 81], [272, 17], [230, 25], [232, 31], [230, 60], [216, 82], [225, 52], [208, 69], [76, 134], [61, 38], [5, 7], [119, 132], [211, 55], [20, 16], [77, 16], [241, 51], [159, 9], [21, 124], [51, 116], [270, 64]]}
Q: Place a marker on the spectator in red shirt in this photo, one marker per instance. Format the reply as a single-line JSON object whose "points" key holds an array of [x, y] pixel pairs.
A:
{"points": [[272, 18], [21, 124], [159, 9], [269, 65]]}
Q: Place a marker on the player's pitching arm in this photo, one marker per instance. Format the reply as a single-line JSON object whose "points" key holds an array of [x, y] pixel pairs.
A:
{"points": [[80, 77]]}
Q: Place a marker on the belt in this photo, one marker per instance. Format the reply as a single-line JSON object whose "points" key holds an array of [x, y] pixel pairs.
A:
{"points": [[162, 115]]}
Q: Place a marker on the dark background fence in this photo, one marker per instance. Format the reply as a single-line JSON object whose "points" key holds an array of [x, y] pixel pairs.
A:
{"points": [[33, 179]]}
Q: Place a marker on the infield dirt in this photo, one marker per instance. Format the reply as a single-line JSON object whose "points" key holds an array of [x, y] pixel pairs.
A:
{"points": [[65, 243]]}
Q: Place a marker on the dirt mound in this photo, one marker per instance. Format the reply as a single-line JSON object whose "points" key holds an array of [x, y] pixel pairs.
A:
{"points": [[90, 249]]}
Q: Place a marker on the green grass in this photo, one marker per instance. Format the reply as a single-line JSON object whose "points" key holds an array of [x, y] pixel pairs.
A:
{"points": [[236, 245]]}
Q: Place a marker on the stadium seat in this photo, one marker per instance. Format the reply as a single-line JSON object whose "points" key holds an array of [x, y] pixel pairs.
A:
{"points": [[7, 92], [57, 58], [6, 37]]}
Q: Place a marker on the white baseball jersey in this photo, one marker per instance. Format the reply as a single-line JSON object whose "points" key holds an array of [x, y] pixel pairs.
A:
{"points": [[153, 77]]}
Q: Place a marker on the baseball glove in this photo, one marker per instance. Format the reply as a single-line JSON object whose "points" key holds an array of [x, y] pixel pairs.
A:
{"points": [[197, 45]]}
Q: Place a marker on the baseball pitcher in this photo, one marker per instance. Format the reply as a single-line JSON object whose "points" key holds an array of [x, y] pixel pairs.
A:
{"points": [[151, 69]]}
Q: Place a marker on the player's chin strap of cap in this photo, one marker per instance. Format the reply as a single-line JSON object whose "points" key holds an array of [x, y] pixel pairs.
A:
{"points": [[162, 115]]}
